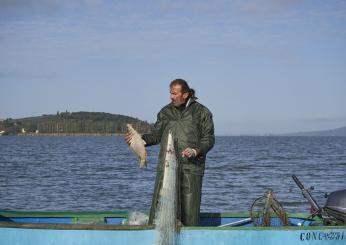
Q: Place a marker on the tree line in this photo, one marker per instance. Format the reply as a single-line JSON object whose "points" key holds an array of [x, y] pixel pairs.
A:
{"points": [[74, 123]]}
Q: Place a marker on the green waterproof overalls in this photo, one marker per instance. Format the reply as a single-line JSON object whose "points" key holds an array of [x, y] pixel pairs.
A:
{"points": [[191, 127]]}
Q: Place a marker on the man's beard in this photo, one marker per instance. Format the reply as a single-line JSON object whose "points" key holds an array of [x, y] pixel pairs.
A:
{"points": [[178, 104]]}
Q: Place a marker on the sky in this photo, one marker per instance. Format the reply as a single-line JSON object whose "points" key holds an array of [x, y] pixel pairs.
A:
{"points": [[261, 66]]}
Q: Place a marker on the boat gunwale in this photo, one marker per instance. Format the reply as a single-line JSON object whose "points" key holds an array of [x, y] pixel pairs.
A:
{"points": [[47, 226], [124, 214], [63, 214]]}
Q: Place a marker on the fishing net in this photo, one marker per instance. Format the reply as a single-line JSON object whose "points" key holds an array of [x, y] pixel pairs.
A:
{"points": [[136, 218], [267, 211], [166, 216]]}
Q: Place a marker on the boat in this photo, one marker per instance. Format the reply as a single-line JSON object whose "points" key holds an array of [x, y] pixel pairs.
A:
{"points": [[50, 228], [266, 223]]}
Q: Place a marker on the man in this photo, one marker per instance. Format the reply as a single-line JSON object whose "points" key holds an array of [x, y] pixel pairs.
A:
{"points": [[193, 129]]}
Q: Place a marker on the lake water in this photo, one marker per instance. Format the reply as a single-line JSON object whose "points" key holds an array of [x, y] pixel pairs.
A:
{"points": [[101, 173]]}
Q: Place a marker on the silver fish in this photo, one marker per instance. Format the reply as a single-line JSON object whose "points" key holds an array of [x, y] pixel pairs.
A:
{"points": [[137, 146]]}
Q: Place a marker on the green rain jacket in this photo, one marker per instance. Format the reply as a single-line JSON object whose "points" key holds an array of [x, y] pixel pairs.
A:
{"points": [[191, 127]]}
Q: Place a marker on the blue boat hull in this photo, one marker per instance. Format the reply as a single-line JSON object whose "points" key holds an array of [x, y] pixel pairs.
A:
{"points": [[105, 228], [333, 235]]}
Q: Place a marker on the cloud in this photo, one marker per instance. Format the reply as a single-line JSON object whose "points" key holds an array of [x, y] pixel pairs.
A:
{"points": [[264, 7], [212, 30], [17, 8], [44, 5], [26, 75], [11, 10]]}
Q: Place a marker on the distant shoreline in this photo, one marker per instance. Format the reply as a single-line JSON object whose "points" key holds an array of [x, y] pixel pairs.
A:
{"points": [[68, 134], [122, 134]]}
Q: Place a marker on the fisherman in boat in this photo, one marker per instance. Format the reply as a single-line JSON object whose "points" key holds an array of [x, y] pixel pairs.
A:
{"points": [[192, 127]]}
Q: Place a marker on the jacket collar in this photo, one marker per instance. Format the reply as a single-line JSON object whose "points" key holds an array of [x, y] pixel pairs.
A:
{"points": [[190, 101]]}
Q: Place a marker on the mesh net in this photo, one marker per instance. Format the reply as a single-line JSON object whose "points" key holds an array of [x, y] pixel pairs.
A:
{"points": [[166, 215], [267, 211]]}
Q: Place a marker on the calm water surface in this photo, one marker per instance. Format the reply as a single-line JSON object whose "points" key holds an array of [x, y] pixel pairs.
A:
{"points": [[100, 173]]}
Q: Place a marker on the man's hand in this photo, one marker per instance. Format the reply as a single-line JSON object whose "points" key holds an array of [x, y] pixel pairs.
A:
{"points": [[191, 153], [128, 138]]}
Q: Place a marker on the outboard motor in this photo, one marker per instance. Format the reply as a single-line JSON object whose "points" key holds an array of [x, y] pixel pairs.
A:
{"points": [[334, 212], [336, 206]]}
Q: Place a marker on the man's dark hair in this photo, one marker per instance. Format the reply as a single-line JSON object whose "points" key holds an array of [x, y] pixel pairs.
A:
{"points": [[184, 87]]}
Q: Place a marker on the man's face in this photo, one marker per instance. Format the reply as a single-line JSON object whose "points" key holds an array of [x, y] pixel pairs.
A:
{"points": [[177, 96]]}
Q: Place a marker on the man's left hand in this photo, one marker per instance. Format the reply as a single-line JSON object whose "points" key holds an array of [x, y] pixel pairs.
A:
{"points": [[191, 153]]}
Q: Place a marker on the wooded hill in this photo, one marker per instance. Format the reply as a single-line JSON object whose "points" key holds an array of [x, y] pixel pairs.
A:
{"points": [[331, 132], [74, 123]]}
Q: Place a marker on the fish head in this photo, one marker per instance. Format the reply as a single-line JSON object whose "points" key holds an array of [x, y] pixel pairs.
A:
{"points": [[129, 127]]}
